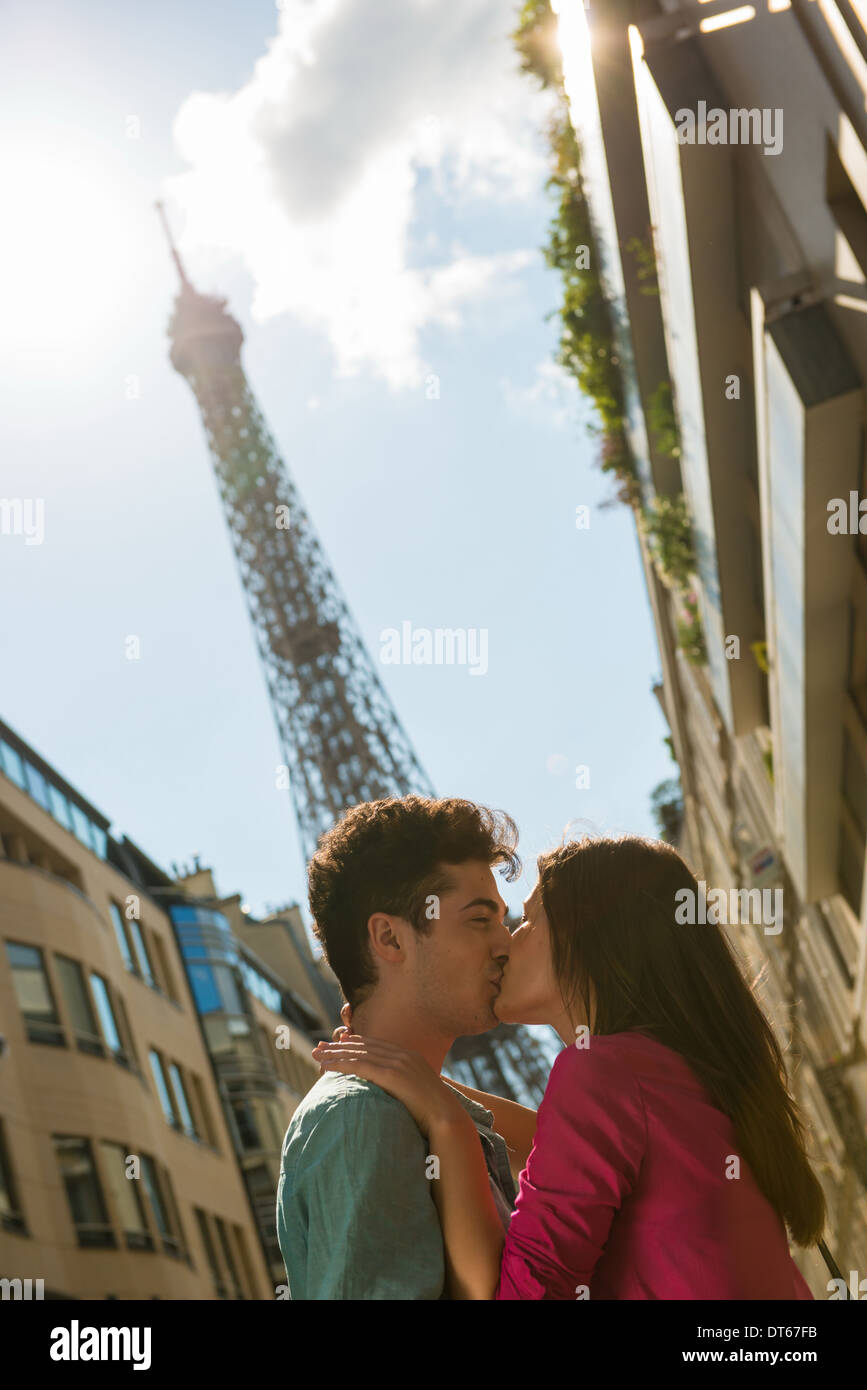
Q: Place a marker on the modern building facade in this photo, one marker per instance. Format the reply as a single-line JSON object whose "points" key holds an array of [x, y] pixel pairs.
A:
{"points": [[150, 1062], [259, 1019], [729, 145]]}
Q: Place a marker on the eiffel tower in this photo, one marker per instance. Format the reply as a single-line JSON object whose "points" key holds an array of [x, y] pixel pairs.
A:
{"points": [[341, 738]]}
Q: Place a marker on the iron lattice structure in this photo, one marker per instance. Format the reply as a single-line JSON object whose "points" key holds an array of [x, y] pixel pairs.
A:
{"points": [[341, 738], [507, 1061]]}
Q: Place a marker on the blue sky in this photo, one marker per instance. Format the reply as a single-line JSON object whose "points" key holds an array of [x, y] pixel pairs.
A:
{"points": [[371, 201]]}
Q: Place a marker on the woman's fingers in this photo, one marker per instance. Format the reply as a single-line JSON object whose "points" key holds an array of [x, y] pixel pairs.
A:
{"points": [[373, 1048], [337, 1050], [354, 1039]]}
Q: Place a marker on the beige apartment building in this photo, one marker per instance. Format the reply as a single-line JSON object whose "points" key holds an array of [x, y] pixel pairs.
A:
{"points": [[140, 1132], [728, 144]]}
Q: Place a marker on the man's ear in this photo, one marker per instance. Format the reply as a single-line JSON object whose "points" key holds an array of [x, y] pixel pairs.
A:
{"points": [[384, 933]]}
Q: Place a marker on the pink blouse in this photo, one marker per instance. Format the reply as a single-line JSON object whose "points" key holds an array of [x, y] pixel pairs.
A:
{"points": [[625, 1189]]}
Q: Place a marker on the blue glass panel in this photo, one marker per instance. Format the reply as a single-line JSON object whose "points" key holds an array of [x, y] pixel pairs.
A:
{"points": [[262, 988], [12, 765], [100, 840], [37, 786], [201, 915], [81, 825], [59, 807], [205, 989]]}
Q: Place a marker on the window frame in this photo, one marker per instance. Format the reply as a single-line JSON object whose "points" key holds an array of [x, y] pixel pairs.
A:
{"points": [[90, 1235], [90, 1041], [50, 1033], [12, 1218]]}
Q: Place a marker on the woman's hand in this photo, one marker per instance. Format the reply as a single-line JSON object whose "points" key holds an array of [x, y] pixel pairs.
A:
{"points": [[402, 1073], [338, 1034]]}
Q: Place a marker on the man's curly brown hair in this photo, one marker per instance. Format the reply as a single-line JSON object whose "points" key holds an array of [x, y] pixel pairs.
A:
{"points": [[388, 856]]}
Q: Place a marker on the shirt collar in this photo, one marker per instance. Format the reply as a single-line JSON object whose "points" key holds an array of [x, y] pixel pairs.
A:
{"points": [[476, 1112]]}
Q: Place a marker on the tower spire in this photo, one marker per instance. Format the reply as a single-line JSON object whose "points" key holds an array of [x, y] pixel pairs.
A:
{"points": [[161, 210]]}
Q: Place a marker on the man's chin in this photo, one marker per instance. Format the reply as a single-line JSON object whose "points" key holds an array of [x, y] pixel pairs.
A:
{"points": [[502, 1013]]}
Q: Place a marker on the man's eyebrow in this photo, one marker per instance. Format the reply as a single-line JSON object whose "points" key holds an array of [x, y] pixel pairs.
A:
{"points": [[482, 902]]}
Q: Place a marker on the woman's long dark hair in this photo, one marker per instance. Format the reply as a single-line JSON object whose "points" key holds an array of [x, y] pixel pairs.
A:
{"points": [[611, 906]]}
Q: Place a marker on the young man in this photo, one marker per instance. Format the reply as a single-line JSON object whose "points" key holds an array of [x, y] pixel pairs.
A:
{"points": [[412, 923]]}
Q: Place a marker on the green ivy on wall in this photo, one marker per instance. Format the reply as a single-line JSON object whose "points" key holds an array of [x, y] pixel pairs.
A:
{"points": [[587, 348]]}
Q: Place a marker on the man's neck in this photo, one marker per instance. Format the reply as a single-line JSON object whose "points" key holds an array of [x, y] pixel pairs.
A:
{"points": [[394, 1024]]}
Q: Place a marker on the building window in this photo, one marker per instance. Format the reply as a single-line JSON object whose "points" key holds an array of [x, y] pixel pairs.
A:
{"points": [[122, 938], [162, 1089], [181, 1101], [12, 765], [231, 1038], [81, 826], [163, 1205], [128, 1039], [261, 1186], [174, 1216], [240, 1241], [86, 1202], [141, 954], [74, 991], [165, 973], [51, 799], [228, 1256], [59, 807], [127, 1198], [107, 1019], [259, 1122], [11, 1215], [245, 1120], [263, 989], [35, 999], [37, 786], [210, 1252], [215, 989], [205, 1128]]}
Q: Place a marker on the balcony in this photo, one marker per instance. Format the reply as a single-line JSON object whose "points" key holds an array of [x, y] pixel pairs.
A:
{"points": [[254, 1074]]}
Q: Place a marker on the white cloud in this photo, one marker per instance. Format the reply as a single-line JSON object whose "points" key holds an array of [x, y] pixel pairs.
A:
{"points": [[310, 172], [552, 395]]}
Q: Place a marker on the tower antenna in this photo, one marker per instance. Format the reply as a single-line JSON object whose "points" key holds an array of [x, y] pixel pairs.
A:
{"points": [[160, 207]]}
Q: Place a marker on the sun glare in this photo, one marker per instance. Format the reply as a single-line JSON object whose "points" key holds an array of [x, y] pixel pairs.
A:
{"points": [[68, 252]]}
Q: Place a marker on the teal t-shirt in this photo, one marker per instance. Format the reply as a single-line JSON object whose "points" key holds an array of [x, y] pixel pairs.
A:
{"points": [[356, 1218]]}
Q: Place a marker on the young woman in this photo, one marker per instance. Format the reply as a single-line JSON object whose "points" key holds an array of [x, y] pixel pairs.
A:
{"points": [[668, 1157]]}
